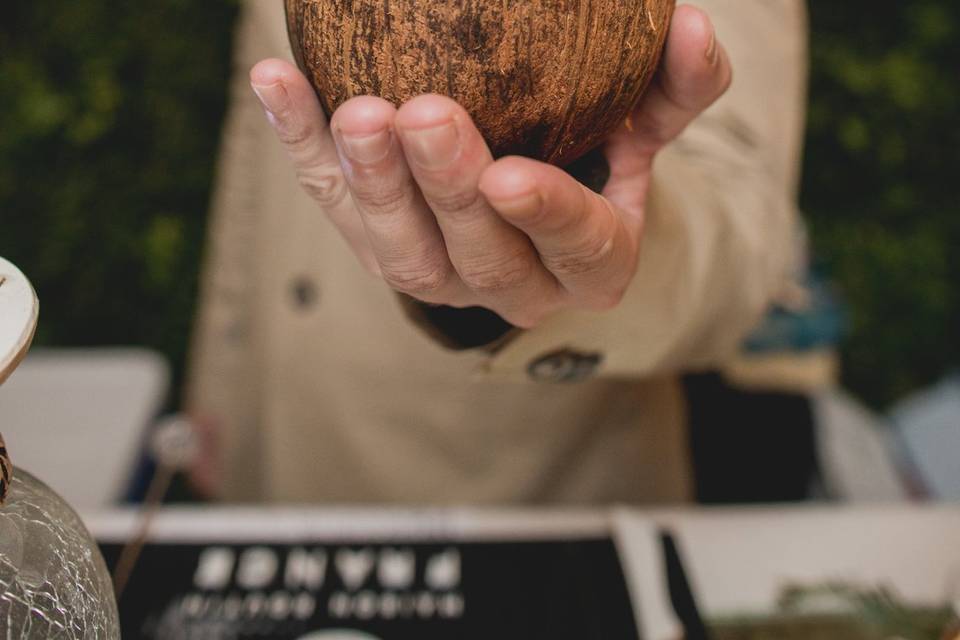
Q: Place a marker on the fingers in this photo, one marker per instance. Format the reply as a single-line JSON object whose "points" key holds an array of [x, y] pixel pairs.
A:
{"points": [[578, 235], [401, 228], [300, 124], [694, 73], [447, 155]]}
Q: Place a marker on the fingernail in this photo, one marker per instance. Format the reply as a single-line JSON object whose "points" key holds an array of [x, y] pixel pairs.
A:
{"points": [[521, 208], [712, 49], [366, 149], [435, 147], [273, 97]]}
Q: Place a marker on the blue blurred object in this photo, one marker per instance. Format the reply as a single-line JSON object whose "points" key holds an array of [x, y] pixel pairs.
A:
{"points": [[820, 323], [927, 426]]}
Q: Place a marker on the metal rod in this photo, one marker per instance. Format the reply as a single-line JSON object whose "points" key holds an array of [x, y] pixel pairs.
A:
{"points": [[157, 491]]}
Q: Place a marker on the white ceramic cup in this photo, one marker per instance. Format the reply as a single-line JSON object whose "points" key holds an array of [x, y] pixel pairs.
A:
{"points": [[18, 317]]}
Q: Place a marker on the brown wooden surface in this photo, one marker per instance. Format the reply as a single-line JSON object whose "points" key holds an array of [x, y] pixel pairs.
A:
{"points": [[548, 79]]}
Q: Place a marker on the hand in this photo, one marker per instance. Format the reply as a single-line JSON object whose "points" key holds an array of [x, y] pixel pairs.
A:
{"points": [[423, 204]]}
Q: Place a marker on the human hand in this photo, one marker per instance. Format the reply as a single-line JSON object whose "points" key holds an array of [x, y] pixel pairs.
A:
{"points": [[422, 203]]}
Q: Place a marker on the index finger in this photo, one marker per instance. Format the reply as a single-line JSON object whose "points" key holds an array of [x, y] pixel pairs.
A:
{"points": [[298, 120]]}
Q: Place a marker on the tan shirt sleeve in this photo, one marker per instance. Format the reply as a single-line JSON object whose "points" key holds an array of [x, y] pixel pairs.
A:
{"points": [[722, 218]]}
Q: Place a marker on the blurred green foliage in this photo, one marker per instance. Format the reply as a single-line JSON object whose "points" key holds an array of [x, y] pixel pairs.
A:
{"points": [[882, 184], [111, 115], [109, 124]]}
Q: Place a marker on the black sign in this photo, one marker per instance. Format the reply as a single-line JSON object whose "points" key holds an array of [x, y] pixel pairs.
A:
{"points": [[496, 590]]}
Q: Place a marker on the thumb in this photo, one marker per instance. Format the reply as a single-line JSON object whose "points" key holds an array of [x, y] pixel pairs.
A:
{"points": [[695, 73]]}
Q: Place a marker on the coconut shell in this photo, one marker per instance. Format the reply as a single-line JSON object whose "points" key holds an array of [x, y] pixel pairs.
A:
{"points": [[547, 79]]}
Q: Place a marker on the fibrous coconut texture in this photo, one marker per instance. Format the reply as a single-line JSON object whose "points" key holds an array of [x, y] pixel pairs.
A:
{"points": [[547, 79]]}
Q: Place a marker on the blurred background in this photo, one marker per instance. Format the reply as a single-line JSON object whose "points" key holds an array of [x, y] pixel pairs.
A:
{"points": [[108, 139], [111, 120]]}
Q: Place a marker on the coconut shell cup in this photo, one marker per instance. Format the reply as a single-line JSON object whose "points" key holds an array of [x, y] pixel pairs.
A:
{"points": [[546, 79]]}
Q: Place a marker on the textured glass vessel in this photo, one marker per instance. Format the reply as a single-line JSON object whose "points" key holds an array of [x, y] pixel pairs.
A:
{"points": [[53, 580]]}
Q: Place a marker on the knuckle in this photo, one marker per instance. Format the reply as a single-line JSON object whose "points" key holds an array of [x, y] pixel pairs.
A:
{"points": [[327, 188], [590, 255], [525, 318], [419, 281], [456, 202], [656, 133], [379, 198], [296, 137], [609, 299], [491, 279]]}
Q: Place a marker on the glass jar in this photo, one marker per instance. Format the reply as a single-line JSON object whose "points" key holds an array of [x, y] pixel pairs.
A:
{"points": [[53, 580]]}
